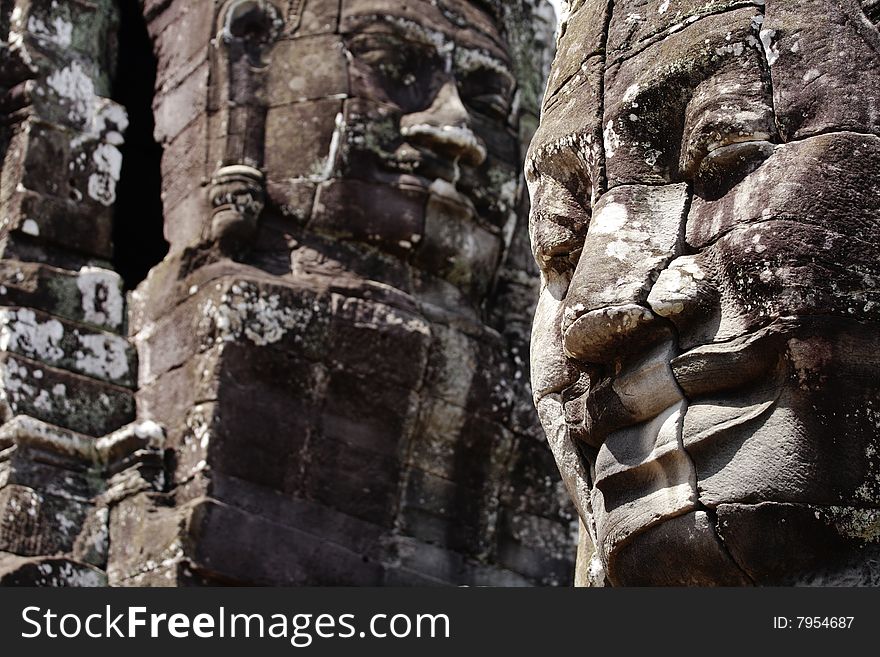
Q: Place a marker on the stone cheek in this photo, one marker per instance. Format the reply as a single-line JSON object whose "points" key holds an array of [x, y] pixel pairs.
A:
{"points": [[457, 248], [306, 69], [813, 196], [345, 210]]}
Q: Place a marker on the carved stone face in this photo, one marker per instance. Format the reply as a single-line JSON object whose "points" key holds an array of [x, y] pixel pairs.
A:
{"points": [[426, 140], [705, 215], [388, 127], [436, 90]]}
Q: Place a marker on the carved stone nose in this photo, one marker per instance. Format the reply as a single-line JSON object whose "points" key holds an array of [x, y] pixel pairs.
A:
{"points": [[636, 230], [445, 128]]}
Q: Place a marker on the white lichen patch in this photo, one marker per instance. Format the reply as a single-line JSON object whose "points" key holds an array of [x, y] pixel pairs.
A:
{"points": [[101, 124], [736, 49], [30, 227], [756, 244], [21, 392], [851, 522], [102, 356], [198, 426], [65, 524], [631, 93], [811, 75], [15, 40], [109, 119], [21, 332], [612, 139], [811, 360], [246, 312], [66, 575], [610, 219], [151, 431], [771, 52], [101, 297], [107, 160], [622, 250], [58, 32], [73, 84]]}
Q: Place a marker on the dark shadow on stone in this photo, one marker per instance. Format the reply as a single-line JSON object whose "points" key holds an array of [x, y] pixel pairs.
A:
{"points": [[138, 237]]}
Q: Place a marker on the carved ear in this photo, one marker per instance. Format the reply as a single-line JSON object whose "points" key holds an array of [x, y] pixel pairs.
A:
{"points": [[247, 30]]}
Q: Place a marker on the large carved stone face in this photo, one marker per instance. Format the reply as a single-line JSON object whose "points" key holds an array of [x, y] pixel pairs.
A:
{"points": [[705, 215]]}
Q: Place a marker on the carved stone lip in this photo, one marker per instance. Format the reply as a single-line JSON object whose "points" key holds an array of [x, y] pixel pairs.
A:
{"points": [[604, 414], [460, 140], [727, 366], [635, 395], [432, 166], [723, 370], [713, 376], [448, 191]]}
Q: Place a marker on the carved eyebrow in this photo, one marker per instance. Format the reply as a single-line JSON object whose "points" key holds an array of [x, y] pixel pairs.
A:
{"points": [[410, 30], [471, 59]]}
